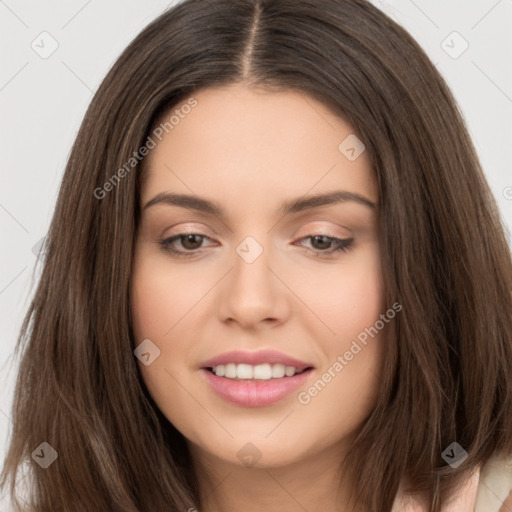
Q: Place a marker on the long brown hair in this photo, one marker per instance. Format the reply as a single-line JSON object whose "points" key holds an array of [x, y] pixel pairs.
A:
{"points": [[448, 368]]}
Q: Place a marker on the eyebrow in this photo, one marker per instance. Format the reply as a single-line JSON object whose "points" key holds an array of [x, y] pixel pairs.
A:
{"points": [[294, 206]]}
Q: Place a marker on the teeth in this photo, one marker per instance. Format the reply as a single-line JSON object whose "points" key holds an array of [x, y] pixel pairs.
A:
{"points": [[244, 371], [279, 370], [262, 372], [259, 372], [230, 371], [289, 371]]}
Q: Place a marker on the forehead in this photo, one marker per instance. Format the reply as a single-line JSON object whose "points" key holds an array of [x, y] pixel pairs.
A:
{"points": [[252, 145]]}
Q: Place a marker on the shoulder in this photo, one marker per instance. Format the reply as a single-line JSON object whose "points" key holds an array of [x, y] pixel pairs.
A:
{"points": [[495, 485]]}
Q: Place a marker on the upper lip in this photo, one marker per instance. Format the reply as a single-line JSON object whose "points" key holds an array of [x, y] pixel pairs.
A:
{"points": [[255, 358]]}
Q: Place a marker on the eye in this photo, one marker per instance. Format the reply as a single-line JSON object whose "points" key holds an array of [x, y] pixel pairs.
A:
{"points": [[329, 244], [191, 242]]}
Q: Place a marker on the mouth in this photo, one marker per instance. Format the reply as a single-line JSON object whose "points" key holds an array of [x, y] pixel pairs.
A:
{"points": [[260, 372], [258, 386], [255, 379]]}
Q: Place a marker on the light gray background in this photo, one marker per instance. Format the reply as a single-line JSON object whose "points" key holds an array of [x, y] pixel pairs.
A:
{"points": [[43, 101]]}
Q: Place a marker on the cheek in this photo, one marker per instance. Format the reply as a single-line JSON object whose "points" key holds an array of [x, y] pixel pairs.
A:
{"points": [[157, 304], [347, 384], [151, 305], [161, 297], [349, 297]]}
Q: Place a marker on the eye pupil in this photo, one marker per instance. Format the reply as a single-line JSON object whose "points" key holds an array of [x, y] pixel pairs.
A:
{"points": [[326, 244], [190, 238]]}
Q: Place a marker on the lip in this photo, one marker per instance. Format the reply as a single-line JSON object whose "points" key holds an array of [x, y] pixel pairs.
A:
{"points": [[255, 393], [255, 358]]}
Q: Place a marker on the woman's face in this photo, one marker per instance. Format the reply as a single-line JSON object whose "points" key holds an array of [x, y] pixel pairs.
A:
{"points": [[257, 288]]}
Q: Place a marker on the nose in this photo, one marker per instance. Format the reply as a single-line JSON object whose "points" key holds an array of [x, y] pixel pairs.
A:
{"points": [[252, 293]]}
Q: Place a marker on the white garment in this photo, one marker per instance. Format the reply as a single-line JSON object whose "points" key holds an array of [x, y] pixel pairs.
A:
{"points": [[495, 488], [489, 489]]}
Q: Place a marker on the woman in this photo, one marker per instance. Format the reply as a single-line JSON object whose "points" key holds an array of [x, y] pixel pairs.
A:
{"points": [[275, 278]]}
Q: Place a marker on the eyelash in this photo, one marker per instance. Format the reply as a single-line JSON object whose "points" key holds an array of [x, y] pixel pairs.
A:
{"points": [[340, 245]]}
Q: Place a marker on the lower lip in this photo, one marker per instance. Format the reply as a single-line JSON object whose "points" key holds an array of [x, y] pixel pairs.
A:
{"points": [[255, 393]]}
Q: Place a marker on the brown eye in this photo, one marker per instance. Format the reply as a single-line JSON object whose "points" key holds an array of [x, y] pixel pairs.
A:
{"points": [[323, 244], [190, 244]]}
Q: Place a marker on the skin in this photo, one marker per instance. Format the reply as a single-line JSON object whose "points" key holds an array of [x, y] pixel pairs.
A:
{"points": [[251, 150]]}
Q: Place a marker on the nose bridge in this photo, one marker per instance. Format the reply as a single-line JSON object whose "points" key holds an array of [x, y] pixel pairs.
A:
{"points": [[252, 294], [252, 277], [250, 249]]}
